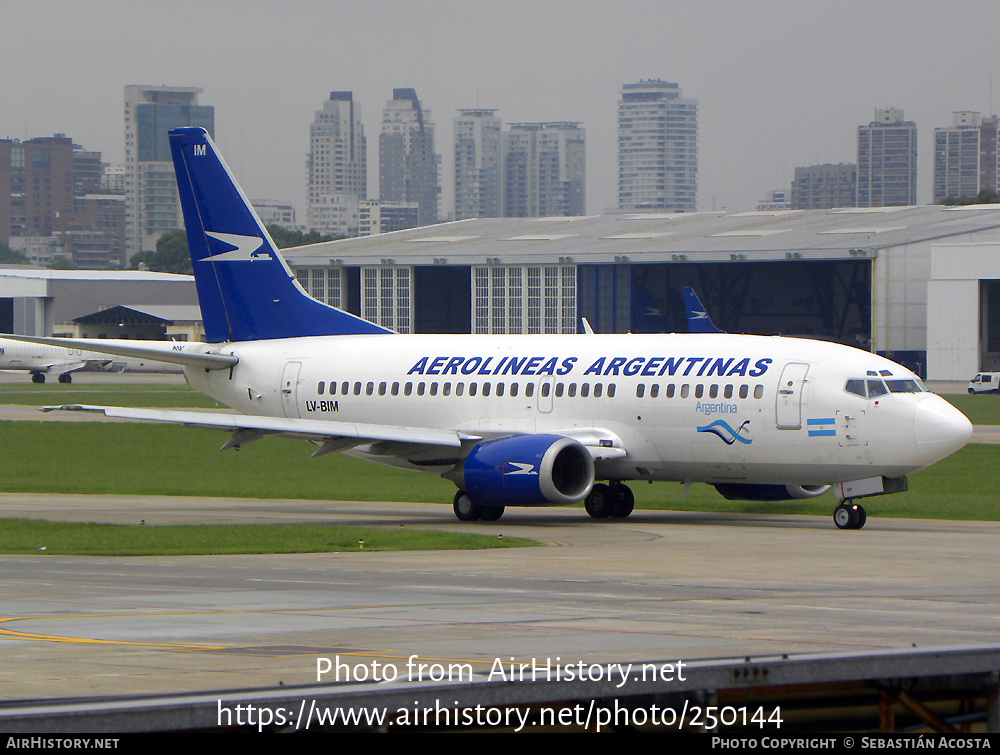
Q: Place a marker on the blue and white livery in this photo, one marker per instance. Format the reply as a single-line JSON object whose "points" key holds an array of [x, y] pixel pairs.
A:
{"points": [[543, 419]]}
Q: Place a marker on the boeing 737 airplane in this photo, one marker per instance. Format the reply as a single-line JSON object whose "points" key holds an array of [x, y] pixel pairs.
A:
{"points": [[532, 420], [44, 359]]}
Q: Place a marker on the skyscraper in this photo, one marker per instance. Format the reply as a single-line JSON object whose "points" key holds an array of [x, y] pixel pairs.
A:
{"points": [[152, 206], [965, 156], [822, 187], [336, 166], [478, 164], [657, 148], [544, 170], [408, 166], [887, 161]]}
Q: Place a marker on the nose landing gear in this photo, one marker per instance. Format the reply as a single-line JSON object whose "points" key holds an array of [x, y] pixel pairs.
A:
{"points": [[849, 516]]}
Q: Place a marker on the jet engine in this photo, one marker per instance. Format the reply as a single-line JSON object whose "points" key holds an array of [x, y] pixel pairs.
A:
{"points": [[749, 492], [526, 470]]}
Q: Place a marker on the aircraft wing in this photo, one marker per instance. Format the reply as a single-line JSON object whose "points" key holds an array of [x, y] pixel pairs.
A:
{"points": [[336, 436], [63, 367]]}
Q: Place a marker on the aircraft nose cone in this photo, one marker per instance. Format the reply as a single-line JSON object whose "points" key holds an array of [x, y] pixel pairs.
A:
{"points": [[939, 428]]}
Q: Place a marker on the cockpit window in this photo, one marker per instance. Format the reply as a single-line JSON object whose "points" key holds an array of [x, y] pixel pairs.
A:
{"points": [[876, 388], [857, 387], [904, 386]]}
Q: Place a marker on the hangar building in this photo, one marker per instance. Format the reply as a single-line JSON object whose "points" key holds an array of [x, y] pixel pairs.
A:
{"points": [[918, 284], [41, 302]]}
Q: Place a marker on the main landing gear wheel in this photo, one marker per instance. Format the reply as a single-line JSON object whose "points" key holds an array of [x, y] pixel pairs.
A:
{"points": [[624, 501], [38, 377], [66, 378], [490, 513], [849, 516], [465, 509], [614, 500]]}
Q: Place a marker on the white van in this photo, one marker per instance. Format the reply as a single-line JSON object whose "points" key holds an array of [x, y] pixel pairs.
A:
{"points": [[985, 382]]}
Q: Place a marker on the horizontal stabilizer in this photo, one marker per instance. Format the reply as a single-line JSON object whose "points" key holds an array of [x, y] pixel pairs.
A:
{"points": [[172, 352]]}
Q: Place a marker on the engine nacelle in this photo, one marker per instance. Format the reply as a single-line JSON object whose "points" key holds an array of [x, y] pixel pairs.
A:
{"points": [[749, 492], [527, 470]]}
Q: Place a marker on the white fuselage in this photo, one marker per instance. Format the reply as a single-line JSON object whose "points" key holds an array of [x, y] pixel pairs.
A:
{"points": [[687, 407]]}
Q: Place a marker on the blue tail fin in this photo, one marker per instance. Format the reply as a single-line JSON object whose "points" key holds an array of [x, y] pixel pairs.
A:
{"points": [[698, 319], [245, 289]]}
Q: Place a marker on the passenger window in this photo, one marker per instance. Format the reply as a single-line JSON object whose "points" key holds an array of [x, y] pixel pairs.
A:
{"points": [[320, 388], [369, 389], [499, 391], [434, 389], [585, 390], [571, 390], [545, 389], [529, 390], [408, 389], [640, 390], [486, 389], [395, 389], [611, 390], [728, 393], [513, 389], [744, 391], [654, 391], [446, 389], [598, 390], [758, 391], [381, 389], [713, 391], [670, 390], [459, 389], [685, 390], [473, 389], [699, 390], [357, 389], [420, 389]]}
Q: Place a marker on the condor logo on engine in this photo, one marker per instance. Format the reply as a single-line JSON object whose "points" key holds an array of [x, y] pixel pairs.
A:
{"points": [[517, 468]]}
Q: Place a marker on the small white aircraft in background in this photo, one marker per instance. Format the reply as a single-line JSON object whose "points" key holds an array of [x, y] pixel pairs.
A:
{"points": [[529, 420], [42, 360]]}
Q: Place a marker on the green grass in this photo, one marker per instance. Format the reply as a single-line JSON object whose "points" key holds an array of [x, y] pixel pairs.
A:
{"points": [[23, 536], [158, 396], [136, 459], [981, 408]]}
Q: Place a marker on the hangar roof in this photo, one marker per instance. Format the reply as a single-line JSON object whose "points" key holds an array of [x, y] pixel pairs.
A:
{"points": [[655, 237]]}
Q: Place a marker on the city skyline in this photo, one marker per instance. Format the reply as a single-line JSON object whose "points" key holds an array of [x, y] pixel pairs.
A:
{"points": [[779, 85]]}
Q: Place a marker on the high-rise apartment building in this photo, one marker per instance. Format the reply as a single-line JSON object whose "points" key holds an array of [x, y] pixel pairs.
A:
{"points": [[37, 177], [965, 156], [544, 170], [478, 164], [823, 187], [152, 206], [408, 166], [336, 166], [657, 148], [887, 161], [51, 205]]}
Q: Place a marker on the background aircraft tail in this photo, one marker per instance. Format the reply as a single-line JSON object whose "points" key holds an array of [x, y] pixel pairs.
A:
{"points": [[245, 289], [698, 319]]}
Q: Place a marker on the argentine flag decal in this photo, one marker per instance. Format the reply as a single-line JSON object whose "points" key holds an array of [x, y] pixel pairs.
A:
{"points": [[821, 427]]}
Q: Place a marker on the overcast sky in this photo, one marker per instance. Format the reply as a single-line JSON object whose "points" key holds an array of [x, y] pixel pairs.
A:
{"points": [[779, 84]]}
